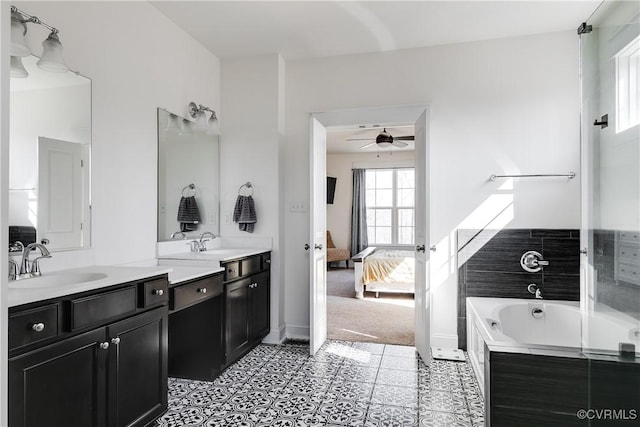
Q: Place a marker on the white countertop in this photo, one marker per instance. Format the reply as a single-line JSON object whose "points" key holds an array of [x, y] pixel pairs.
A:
{"points": [[215, 254], [55, 284], [181, 273]]}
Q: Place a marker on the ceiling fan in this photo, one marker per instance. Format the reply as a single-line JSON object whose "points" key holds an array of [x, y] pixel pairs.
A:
{"points": [[385, 139]]}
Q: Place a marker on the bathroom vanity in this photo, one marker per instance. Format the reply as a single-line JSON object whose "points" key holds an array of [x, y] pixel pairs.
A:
{"points": [[218, 317], [95, 357]]}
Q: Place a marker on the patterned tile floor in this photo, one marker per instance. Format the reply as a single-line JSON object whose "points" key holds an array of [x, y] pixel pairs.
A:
{"points": [[344, 384]]}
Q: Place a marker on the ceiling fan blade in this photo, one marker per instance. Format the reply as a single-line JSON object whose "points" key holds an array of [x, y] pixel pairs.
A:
{"points": [[368, 145], [359, 139], [397, 143], [405, 138]]}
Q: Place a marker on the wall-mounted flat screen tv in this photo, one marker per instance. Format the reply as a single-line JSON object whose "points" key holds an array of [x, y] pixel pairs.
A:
{"points": [[331, 189]]}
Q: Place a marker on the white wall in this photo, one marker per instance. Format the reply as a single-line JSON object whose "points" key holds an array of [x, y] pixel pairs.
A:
{"points": [[250, 144], [509, 105], [339, 165], [138, 60]]}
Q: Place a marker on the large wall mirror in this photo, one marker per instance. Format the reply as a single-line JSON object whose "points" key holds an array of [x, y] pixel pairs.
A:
{"points": [[188, 179], [49, 159]]}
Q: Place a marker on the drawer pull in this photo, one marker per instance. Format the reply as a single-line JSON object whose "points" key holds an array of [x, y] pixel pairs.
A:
{"points": [[115, 341], [202, 290], [104, 345], [157, 292], [268, 261], [231, 271], [38, 327]]}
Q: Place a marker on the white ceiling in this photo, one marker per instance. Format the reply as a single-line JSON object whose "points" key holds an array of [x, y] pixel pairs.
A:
{"points": [[310, 29]]}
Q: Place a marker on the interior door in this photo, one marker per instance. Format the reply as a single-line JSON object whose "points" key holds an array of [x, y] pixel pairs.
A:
{"points": [[422, 289], [317, 238], [60, 192]]}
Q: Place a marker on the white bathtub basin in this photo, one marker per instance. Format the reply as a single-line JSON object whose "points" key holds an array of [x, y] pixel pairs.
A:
{"points": [[57, 279]]}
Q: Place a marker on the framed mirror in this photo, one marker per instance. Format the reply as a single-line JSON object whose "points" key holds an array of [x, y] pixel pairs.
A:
{"points": [[50, 159], [188, 179]]}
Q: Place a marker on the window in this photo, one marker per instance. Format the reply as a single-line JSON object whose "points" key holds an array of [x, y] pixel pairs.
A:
{"points": [[628, 86], [390, 195]]}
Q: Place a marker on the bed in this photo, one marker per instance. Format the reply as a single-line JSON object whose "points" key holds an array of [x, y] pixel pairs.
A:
{"points": [[384, 270]]}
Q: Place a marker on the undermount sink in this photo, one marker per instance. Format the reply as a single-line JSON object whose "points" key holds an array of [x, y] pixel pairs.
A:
{"points": [[57, 279]]}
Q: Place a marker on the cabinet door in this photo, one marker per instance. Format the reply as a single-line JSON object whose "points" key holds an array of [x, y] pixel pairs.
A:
{"points": [[137, 369], [60, 385], [237, 318], [260, 305]]}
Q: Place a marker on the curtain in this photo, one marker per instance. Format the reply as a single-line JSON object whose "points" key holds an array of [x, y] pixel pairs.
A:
{"points": [[359, 239]]}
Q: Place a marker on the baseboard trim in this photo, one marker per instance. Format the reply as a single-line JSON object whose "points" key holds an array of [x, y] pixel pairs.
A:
{"points": [[297, 332], [276, 336], [443, 340]]}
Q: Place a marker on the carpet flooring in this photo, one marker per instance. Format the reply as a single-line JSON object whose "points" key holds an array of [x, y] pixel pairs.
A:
{"points": [[386, 320]]}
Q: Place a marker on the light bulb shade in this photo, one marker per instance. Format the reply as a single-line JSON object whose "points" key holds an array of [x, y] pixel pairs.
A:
{"points": [[214, 125], [18, 30], [201, 121], [17, 68], [51, 59]]}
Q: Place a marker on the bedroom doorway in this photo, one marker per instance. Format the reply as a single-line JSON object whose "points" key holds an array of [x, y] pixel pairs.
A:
{"points": [[319, 124]]}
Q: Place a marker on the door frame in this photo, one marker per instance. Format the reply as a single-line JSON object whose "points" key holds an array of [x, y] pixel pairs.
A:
{"points": [[382, 115]]}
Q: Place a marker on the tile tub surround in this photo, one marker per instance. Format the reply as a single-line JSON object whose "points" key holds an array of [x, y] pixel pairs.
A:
{"points": [[489, 266], [344, 384]]}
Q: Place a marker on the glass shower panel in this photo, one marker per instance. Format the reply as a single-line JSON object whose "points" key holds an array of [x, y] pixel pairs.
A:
{"points": [[610, 80]]}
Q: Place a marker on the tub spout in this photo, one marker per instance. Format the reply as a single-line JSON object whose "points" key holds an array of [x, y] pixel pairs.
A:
{"points": [[535, 290]]}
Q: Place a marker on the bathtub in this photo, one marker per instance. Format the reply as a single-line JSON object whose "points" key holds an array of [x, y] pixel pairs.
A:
{"points": [[526, 325]]}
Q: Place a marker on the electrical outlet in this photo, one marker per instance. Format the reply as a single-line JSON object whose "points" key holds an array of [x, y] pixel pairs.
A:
{"points": [[227, 219], [212, 218]]}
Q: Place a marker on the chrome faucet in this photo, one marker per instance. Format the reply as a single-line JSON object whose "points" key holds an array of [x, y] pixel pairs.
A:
{"points": [[173, 235], [13, 269], [32, 268], [202, 245], [535, 290]]}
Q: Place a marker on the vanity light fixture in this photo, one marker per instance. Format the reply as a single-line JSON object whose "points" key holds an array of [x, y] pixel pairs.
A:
{"points": [[198, 112], [51, 59]]}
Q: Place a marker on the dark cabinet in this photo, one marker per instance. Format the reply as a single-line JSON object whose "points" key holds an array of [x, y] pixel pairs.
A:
{"points": [[238, 310], [106, 368], [247, 304], [196, 329], [62, 384], [137, 369]]}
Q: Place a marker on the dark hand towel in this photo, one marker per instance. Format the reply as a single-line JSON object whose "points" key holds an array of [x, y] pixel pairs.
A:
{"points": [[244, 213], [188, 214]]}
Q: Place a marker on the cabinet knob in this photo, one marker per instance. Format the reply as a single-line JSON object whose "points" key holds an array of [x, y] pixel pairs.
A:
{"points": [[157, 292], [38, 327], [115, 341], [268, 261], [104, 345], [202, 290]]}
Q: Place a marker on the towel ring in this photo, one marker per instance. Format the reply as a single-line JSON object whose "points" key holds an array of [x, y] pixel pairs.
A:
{"points": [[246, 186], [191, 187]]}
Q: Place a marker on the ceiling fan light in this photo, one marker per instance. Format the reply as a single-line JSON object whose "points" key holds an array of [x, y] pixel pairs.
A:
{"points": [[384, 139], [51, 59]]}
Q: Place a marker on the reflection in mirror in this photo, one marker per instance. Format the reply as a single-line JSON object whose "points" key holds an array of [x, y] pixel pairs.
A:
{"points": [[188, 179], [49, 159]]}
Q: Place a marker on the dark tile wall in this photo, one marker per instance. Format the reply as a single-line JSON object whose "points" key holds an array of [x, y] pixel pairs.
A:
{"points": [[489, 266], [536, 390]]}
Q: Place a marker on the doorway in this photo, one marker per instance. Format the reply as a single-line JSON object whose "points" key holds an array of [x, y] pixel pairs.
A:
{"points": [[384, 312], [319, 124]]}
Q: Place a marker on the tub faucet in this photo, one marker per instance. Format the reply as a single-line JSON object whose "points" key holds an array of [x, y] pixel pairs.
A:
{"points": [[32, 268], [535, 290]]}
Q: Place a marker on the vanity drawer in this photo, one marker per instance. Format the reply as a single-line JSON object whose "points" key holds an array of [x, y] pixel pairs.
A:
{"points": [[629, 236], [154, 292], [99, 308], [191, 293], [251, 265], [231, 271], [30, 326]]}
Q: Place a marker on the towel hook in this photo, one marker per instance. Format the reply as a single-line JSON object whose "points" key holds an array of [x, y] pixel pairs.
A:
{"points": [[190, 187], [246, 185]]}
